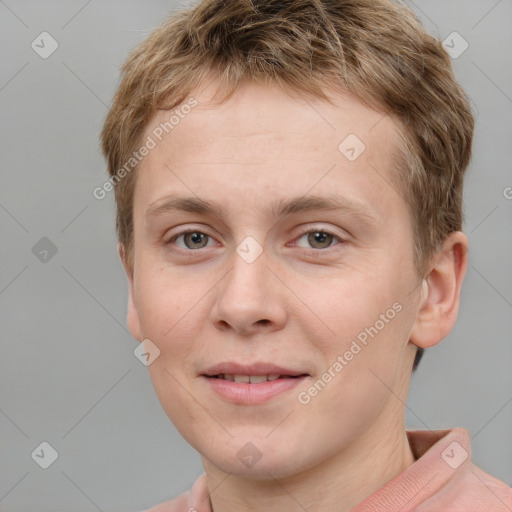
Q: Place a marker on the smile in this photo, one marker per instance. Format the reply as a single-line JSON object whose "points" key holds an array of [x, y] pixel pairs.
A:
{"points": [[252, 389], [252, 379]]}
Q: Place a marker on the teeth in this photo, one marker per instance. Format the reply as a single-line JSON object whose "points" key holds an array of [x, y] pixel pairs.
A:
{"points": [[241, 378], [253, 379]]}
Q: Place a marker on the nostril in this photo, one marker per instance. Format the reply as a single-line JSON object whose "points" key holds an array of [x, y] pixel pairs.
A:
{"points": [[264, 321]]}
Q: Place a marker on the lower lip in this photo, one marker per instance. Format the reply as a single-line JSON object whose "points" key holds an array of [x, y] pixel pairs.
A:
{"points": [[246, 393]]}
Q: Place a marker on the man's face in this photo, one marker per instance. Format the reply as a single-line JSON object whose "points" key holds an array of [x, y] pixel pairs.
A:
{"points": [[269, 283]]}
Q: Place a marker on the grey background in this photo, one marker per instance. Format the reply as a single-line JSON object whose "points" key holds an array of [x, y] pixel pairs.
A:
{"points": [[68, 375]]}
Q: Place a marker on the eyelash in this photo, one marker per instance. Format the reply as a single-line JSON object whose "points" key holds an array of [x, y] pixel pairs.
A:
{"points": [[190, 252]]}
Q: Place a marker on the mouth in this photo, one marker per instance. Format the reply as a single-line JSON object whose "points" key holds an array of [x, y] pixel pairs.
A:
{"points": [[233, 370], [252, 379], [251, 384]]}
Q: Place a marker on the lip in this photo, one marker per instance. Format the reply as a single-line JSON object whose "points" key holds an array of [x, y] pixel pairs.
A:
{"points": [[252, 394], [262, 368], [242, 393]]}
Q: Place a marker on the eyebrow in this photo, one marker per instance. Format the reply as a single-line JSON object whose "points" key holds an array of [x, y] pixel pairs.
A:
{"points": [[280, 208]]}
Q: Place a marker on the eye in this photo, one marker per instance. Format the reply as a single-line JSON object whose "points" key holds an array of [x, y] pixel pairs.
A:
{"points": [[191, 239], [319, 239]]}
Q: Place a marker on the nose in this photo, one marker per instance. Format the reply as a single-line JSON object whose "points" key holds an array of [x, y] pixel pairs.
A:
{"points": [[250, 299]]}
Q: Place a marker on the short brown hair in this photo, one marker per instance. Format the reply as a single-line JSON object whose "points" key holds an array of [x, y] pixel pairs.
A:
{"points": [[377, 50]]}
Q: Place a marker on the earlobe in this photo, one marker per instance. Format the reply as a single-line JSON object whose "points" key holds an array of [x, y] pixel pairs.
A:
{"points": [[440, 293], [132, 314]]}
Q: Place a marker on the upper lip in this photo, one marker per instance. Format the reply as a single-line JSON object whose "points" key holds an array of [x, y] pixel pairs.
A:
{"points": [[232, 368]]}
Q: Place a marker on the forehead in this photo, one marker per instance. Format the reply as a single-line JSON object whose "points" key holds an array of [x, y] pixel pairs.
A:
{"points": [[261, 111], [264, 142]]}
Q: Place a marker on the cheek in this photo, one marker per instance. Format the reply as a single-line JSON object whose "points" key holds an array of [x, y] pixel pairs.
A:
{"points": [[362, 327], [348, 301], [164, 301], [172, 315], [359, 375]]}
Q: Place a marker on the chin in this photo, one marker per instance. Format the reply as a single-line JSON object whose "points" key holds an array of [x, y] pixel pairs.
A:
{"points": [[266, 468], [259, 459]]}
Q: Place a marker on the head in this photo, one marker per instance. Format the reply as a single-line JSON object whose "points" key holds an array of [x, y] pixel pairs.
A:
{"points": [[315, 153]]}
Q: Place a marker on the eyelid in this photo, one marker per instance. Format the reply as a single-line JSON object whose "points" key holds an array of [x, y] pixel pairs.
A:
{"points": [[304, 231], [323, 227], [191, 228], [319, 229], [186, 231]]}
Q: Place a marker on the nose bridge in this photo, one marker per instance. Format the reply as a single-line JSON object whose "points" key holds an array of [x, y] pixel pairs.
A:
{"points": [[247, 296], [248, 279]]}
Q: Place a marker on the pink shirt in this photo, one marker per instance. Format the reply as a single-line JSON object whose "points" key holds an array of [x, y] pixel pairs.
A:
{"points": [[443, 479]]}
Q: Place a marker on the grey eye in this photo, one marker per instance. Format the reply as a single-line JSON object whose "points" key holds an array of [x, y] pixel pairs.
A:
{"points": [[318, 239], [194, 239]]}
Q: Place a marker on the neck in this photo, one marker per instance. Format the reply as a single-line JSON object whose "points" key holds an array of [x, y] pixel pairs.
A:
{"points": [[337, 484]]}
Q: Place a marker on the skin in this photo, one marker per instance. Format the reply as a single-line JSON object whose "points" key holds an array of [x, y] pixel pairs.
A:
{"points": [[300, 304]]}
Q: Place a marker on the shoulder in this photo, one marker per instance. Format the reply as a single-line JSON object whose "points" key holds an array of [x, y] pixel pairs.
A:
{"points": [[471, 489]]}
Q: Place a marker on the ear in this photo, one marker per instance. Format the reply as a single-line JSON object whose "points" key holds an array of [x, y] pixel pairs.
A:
{"points": [[440, 292], [132, 315]]}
